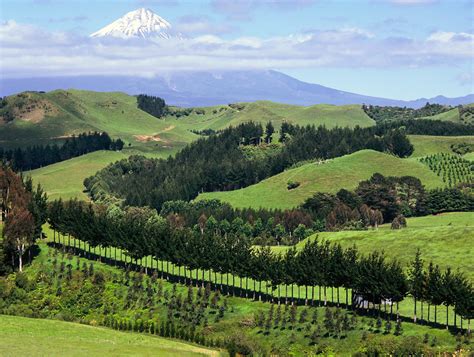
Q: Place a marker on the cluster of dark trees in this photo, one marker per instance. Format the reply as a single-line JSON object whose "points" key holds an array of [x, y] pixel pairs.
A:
{"points": [[33, 157], [23, 212], [375, 201], [382, 113], [141, 232], [155, 106], [260, 226], [385, 199], [217, 162], [426, 127]]}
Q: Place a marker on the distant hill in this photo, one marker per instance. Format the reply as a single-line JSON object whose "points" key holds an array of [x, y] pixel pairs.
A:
{"points": [[330, 176], [36, 118], [192, 89]]}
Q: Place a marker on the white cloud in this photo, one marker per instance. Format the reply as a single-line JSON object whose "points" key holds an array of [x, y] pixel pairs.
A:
{"points": [[28, 51]]}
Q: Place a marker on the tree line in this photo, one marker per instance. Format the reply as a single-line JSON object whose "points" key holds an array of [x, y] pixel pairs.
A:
{"points": [[141, 232], [217, 162], [33, 157], [23, 212], [382, 113], [426, 127]]}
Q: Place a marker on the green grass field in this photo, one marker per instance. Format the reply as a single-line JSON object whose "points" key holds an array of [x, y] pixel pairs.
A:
{"points": [[469, 156], [65, 179], [343, 172], [446, 239], [428, 145], [450, 115], [219, 117], [77, 111], [39, 337]]}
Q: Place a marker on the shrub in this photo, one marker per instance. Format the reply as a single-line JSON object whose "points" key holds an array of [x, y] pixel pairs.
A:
{"points": [[292, 185]]}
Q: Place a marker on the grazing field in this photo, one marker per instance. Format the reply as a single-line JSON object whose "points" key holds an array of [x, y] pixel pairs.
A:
{"points": [[58, 114], [40, 337], [219, 117], [65, 179], [450, 115], [446, 239], [51, 116], [428, 145], [343, 172]]}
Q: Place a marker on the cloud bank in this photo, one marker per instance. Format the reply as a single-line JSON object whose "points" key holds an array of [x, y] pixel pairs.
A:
{"points": [[28, 51]]}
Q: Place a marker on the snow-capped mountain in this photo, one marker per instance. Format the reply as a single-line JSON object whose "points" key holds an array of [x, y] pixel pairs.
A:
{"points": [[141, 23]]}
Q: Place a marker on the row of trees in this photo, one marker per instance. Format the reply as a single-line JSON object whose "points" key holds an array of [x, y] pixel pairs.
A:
{"points": [[426, 127], [217, 163], [383, 113], [32, 157], [23, 211], [141, 232]]}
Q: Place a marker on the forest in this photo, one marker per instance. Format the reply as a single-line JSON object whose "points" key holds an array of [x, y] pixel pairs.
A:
{"points": [[383, 113], [217, 162], [33, 157]]}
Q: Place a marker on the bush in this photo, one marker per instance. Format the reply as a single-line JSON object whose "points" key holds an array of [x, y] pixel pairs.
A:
{"points": [[292, 184]]}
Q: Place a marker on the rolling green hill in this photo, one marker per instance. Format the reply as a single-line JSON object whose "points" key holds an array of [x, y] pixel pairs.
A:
{"points": [[65, 179], [219, 117], [330, 176], [45, 117], [446, 239], [428, 145], [37, 337], [40, 118]]}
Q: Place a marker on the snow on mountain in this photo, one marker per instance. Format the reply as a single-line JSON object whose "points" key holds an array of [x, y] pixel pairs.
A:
{"points": [[141, 23]]}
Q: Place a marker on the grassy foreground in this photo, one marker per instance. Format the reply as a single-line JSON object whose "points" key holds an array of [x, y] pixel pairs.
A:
{"points": [[40, 337], [342, 172], [91, 293]]}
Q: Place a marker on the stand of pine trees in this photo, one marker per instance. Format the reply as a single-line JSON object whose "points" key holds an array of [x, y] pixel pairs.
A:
{"points": [[217, 162], [33, 157], [141, 233]]}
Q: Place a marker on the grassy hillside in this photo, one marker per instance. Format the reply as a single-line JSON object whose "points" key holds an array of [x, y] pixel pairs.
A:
{"points": [[469, 156], [44, 117], [450, 115], [219, 117], [447, 239], [65, 179], [35, 337], [331, 176], [428, 145]]}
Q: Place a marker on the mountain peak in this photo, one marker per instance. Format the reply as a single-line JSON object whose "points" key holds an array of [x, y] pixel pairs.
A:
{"points": [[140, 23]]}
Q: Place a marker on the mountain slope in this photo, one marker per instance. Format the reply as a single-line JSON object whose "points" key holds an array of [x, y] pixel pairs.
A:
{"points": [[343, 172], [212, 88]]}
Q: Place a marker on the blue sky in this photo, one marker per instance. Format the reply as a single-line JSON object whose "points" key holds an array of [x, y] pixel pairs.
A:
{"points": [[401, 49]]}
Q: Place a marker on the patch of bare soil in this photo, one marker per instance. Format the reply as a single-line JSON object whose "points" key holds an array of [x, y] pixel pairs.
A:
{"points": [[36, 111]]}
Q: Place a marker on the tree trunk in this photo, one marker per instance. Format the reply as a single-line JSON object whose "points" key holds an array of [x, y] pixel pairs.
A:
{"points": [[414, 313], [447, 317]]}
